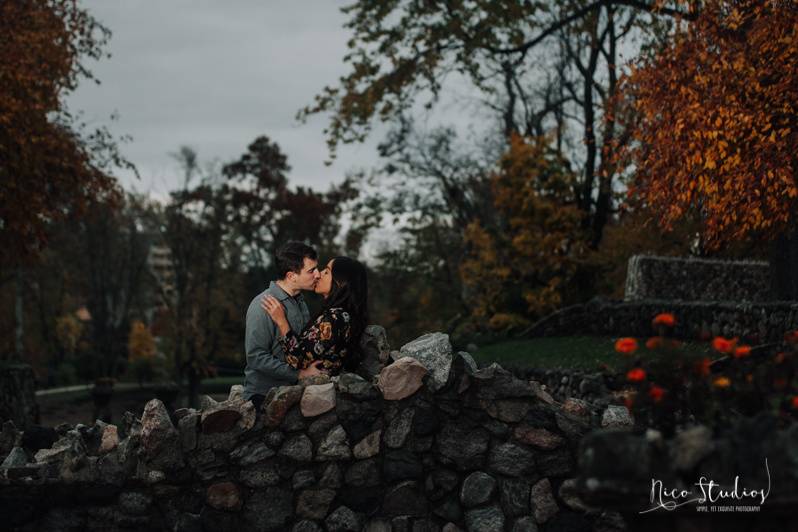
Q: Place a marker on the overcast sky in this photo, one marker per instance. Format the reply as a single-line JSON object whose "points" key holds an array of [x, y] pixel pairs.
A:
{"points": [[214, 75]]}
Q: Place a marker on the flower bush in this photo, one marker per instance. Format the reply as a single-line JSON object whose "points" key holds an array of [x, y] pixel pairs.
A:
{"points": [[666, 387]]}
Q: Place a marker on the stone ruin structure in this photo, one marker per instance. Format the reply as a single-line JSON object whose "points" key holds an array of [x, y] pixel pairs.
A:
{"points": [[709, 298], [430, 443]]}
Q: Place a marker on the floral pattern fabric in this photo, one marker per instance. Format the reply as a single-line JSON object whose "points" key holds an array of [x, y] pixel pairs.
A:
{"points": [[326, 339]]}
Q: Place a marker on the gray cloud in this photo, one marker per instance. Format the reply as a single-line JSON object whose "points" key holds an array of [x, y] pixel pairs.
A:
{"points": [[214, 75]]}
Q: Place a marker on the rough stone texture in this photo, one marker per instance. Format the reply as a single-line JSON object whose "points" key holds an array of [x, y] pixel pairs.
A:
{"points": [[224, 496], [268, 510], [298, 448], [16, 458], [616, 416], [344, 520], [278, 402], [314, 503], [236, 392], [317, 399], [376, 350], [693, 279], [576, 407], [227, 415], [448, 447], [399, 428], [544, 507], [478, 488], [368, 446], [356, 386], [463, 446], [434, 352], [109, 439], [690, 447], [490, 519], [540, 438], [401, 379], [334, 446], [511, 460]]}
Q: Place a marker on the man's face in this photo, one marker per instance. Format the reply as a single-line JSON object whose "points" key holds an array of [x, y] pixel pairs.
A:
{"points": [[307, 277]]}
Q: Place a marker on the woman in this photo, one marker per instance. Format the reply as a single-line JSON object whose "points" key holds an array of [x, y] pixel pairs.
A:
{"points": [[333, 336]]}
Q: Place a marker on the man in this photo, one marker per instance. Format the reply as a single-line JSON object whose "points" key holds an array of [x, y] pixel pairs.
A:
{"points": [[297, 270]]}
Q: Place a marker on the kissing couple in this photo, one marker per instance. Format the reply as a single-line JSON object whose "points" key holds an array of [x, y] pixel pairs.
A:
{"points": [[283, 343]]}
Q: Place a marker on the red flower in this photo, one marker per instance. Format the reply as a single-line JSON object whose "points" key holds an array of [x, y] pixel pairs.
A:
{"points": [[626, 346], [667, 319], [795, 402], [702, 367], [656, 393], [742, 351], [636, 375], [791, 337], [722, 345], [654, 342]]}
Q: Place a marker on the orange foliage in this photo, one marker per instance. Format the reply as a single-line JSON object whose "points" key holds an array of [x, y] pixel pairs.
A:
{"points": [[537, 252], [46, 170], [717, 113]]}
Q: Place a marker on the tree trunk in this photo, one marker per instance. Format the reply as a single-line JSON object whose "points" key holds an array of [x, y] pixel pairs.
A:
{"points": [[784, 265]]}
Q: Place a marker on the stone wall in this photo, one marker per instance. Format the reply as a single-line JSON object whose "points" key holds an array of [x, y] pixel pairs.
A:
{"points": [[429, 444], [758, 322], [691, 279], [17, 394]]}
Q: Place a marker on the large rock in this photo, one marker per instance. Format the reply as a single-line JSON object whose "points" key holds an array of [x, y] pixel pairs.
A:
{"points": [[16, 458], [540, 438], [511, 460], [406, 498], [401, 379], [298, 448], [269, 510], [399, 428], [490, 519], [314, 504], [335, 446], [277, 403], [544, 507], [228, 415], [616, 416], [109, 439], [376, 350], [160, 440], [368, 446], [344, 520], [478, 488], [462, 445], [317, 399], [224, 496], [434, 352], [356, 386]]}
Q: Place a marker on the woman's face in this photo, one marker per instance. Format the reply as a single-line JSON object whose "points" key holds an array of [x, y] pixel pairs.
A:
{"points": [[324, 285]]}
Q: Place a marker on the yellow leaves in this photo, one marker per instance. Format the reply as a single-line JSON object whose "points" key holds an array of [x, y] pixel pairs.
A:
{"points": [[709, 163]]}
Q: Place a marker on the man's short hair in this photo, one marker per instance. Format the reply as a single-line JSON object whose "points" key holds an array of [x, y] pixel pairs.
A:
{"points": [[291, 256]]}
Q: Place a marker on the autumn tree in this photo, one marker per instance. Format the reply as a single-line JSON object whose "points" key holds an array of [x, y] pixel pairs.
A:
{"points": [[50, 167], [537, 67], [715, 116], [528, 266]]}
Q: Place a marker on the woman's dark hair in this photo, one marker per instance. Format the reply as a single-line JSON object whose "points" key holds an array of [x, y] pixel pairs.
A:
{"points": [[350, 291]]}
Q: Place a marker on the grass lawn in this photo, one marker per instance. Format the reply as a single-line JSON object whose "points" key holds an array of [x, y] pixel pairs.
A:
{"points": [[576, 352]]}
